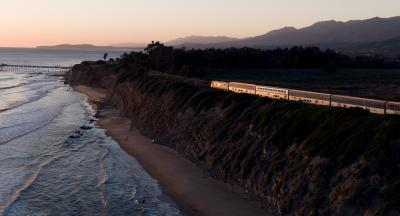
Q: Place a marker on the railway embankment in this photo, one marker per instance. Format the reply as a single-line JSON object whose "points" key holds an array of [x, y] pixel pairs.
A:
{"points": [[301, 159]]}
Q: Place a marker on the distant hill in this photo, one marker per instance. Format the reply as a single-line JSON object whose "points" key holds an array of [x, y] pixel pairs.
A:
{"points": [[199, 40], [132, 45], [72, 46], [371, 33]]}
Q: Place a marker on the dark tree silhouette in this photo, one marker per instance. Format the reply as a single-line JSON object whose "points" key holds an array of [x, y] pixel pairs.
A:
{"points": [[167, 59]]}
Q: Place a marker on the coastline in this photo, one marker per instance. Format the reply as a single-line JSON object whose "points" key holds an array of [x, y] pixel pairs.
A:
{"points": [[194, 192]]}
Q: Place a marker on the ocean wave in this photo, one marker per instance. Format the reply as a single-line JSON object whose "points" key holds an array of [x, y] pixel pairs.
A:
{"points": [[103, 174], [4, 109], [15, 129], [31, 128], [10, 87], [28, 183], [7, 78], [103, 178], [27, 100], [29, 87], [22, 113]]}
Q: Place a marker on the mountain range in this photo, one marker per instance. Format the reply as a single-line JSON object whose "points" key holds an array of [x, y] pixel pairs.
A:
{"points": [[91, 46], [375, 35], [200, 40], [382, 34]]}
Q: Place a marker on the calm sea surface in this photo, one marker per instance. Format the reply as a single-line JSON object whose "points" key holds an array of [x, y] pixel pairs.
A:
{"points": [[48, 164]]}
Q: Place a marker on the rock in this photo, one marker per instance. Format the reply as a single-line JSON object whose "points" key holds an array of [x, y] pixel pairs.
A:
{"points": [[86, 127]]}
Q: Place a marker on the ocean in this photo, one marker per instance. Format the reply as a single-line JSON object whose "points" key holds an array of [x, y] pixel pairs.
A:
{"points": [[49, 165]]}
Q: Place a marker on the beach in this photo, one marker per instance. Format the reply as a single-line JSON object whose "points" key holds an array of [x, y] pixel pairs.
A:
{"points": [[53, 159], [195, 192]]}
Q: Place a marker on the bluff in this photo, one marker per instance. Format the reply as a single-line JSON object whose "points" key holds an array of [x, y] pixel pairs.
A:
{"points": [[299, 158]]}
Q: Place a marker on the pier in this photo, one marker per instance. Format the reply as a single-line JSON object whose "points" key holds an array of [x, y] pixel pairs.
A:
{"points": [[52, 70]]}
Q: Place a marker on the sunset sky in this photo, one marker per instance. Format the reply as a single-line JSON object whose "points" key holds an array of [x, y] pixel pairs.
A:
{"points": [[27, 23]]}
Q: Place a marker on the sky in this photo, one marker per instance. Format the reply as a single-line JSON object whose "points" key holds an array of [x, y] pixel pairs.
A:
{"points": [[29, 23]]}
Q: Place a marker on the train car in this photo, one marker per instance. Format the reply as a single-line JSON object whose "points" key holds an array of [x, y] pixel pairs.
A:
{"points": [[393, 108], [374, 106], [220, 85], [242, 88], [310, 97], [272, 92]]}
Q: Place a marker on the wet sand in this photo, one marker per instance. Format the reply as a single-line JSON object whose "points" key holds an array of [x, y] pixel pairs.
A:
{"points": [[193, 191]]}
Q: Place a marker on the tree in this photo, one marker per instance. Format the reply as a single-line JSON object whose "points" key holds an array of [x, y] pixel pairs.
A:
{"points": [[105, 56], [161, 57], [153, 46]]}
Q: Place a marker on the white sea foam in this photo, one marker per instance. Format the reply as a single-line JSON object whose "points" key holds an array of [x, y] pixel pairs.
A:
{"points": [[49, 166]]}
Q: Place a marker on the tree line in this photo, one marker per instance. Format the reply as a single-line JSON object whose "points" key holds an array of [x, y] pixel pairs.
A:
{"points": [[181, 61]]}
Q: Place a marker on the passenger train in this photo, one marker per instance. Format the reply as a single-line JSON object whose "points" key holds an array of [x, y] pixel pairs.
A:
{"points": [[323, 99]]}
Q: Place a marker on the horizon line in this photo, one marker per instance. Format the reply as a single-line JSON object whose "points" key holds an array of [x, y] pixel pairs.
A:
{"points": [[194, 35]]}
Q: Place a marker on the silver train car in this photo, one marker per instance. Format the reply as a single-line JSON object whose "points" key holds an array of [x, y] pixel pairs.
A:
{"points": [[242, 88], [220, 85], [393, 108], [316, 98], [310, 97], [272, 92], [374, 106]]}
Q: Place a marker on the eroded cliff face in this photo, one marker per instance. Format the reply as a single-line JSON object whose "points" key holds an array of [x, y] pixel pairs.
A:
{"points": [[91, 74], [301, 159]]}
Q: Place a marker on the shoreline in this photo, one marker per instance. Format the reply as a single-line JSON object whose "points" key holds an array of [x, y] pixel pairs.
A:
{"points": [[194, 192]]}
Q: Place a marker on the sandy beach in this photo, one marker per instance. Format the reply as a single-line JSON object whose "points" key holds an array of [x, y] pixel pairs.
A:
{"points": [[193, 191]]}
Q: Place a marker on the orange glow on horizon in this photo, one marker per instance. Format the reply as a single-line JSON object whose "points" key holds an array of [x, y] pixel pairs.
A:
{"points": [[30, 23]]}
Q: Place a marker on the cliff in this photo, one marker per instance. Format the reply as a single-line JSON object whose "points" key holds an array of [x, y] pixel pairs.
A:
{"points": [[301, 159]]}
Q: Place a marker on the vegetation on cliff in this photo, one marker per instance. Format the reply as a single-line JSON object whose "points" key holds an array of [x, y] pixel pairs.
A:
{"points": [[299, 158], [166, 59], [305, 68]]}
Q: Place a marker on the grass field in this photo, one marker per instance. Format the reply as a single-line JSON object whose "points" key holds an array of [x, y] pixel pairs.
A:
{"points": [[371, 83]]}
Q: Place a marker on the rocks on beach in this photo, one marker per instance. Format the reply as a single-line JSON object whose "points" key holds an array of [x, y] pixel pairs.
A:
{"points": [[86, 127], [75, 136]]}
